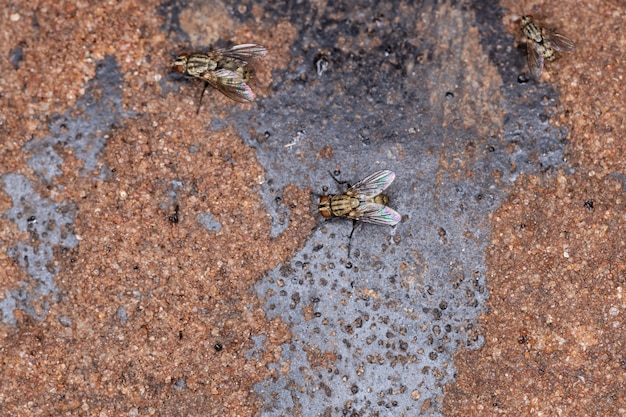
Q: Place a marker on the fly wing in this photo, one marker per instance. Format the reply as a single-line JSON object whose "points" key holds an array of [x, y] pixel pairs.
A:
{"points": [[372, 185], [561, 43], [244, 52], [535, 58], [230, 84], [378, 214]]}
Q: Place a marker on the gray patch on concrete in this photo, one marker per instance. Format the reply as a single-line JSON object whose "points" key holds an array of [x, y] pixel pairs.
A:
{"points": [[120, 315], [83, 128], [375, 334], [49, 226], [208, 222], [273, 200]]}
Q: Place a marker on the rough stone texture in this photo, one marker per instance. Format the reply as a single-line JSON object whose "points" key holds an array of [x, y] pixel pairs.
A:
{"points": [[554, 332], [159, 262]]}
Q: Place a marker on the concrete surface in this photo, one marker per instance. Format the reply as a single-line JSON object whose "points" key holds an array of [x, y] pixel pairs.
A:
{"points": [[161, 262]]}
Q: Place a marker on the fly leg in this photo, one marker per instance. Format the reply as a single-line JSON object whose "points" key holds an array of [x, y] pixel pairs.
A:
{"points": [[355, 224], [201, 95], [336, 180]]}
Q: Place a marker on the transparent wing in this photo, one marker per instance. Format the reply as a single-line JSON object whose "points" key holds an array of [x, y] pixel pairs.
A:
{"points": [[372, 185], [244, 51], [535, 58], [378, 214], [561, 43], [230, 84]]}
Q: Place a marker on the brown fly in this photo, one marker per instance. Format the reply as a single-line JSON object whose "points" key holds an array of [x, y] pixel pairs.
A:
{"points": [[542, 44], [227, 70], [362, 202]]}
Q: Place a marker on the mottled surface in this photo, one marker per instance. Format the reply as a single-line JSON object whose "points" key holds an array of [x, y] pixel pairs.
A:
{"points": [[554, 334], [159, 262]]}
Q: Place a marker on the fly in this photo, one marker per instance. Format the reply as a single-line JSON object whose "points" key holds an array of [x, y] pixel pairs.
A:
{"points": [[362, 202], [542, 44], [227, 70]]}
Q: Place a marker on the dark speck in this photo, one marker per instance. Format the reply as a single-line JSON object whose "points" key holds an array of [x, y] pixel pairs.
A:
{"points": [[174, 217], [17, 55], [321, 63]]}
